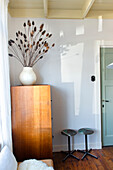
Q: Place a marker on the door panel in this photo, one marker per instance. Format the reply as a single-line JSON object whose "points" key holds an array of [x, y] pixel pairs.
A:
{"points": [[107, 96]]}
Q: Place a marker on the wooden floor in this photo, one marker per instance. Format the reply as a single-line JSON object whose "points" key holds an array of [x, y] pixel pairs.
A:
{"points": [[104, 161]]}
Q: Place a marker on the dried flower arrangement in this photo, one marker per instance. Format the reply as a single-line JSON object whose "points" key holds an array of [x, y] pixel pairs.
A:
{"points": [[30, 46]]}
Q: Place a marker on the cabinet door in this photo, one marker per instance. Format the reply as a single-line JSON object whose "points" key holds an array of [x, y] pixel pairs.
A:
{"points": [[31, 122]]}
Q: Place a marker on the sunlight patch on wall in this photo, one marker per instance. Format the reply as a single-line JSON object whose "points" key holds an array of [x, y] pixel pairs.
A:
{"points": [[61, 33], [100, 24], [71, 70], [80, 30]]}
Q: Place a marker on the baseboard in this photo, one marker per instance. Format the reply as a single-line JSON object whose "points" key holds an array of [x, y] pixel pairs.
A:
{"points": [[58, 148]]}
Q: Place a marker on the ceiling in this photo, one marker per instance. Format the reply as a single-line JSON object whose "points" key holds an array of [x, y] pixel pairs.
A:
{"points": [[61, 9]]}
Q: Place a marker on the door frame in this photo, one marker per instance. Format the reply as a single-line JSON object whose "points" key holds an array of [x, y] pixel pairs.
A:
{"points": [[103, 44]]}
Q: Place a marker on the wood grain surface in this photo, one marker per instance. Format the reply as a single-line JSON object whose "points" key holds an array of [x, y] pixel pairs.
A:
{"points": [[31, 122], [104, 161]]}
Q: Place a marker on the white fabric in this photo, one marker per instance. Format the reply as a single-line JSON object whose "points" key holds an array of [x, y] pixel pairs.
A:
{"points": [[5, 116], [7, 160], [33, 164]]}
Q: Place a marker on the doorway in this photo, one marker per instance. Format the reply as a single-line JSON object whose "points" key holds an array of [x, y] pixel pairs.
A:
{"points": [[106, 54]]}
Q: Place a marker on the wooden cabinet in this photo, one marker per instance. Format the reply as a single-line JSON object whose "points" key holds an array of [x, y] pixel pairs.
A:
{"points": [[31, 122]]}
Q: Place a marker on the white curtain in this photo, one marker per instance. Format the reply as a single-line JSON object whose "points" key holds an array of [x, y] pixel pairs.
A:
{"points": [[5, 109]]}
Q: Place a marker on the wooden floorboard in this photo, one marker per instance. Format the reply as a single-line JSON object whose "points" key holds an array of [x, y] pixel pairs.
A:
{"points": [[104, 161]]}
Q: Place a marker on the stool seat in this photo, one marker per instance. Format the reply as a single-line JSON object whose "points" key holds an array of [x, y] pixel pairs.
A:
{"points": [[86, 131], [68, 132]]}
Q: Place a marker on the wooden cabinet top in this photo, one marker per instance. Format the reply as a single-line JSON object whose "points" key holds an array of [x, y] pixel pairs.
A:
{"points": [[21, 86]]}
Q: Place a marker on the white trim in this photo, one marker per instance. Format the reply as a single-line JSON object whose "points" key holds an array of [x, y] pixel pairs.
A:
{"points": [[102, 44], [106, 46], [81, 146], [105, 43]]}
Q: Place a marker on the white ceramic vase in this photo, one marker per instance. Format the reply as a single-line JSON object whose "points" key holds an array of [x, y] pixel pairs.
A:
{"points": [[27, 76]]}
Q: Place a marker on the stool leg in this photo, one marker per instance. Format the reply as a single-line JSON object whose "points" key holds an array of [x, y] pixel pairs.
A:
{"points": [[86, 152], [69, 151], [69, 144], [93, 156], [86, 148], [66, 157], [86, 143], [84, 156]]}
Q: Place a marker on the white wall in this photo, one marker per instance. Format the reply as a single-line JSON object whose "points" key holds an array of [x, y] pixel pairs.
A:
{"points": [[68, 68]]}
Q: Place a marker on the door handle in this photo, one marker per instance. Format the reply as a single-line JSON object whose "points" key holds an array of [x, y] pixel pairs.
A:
{"points": [[105, 100]]}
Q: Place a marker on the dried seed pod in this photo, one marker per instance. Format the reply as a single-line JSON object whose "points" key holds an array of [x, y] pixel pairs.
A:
{"points": [[32, 33], [41, 26], [9, 43], [24, 24], [33, 23], [46, 44], [47, 48], [46, 51], [11, 55], [16, 34], [36, 47], [53, 45], [40, 39], [12, 41], [50, 35], [47, 34], [24, 36], [26, 50], [43, 32], [37, 42], [21, 41], [34, 29], [28, 22]]}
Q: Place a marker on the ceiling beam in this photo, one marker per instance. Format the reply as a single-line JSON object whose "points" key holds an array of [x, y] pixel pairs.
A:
{"points": [[26, 13], [96, 14], [45, 8], [64, 14], [87, 6]]}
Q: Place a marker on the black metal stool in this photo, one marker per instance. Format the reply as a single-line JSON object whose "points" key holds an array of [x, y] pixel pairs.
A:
{"points": [[69, 133], [86, 131]]}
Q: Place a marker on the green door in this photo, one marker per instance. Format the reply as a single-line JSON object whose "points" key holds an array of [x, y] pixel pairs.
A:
{"points": [[107, 96]]}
